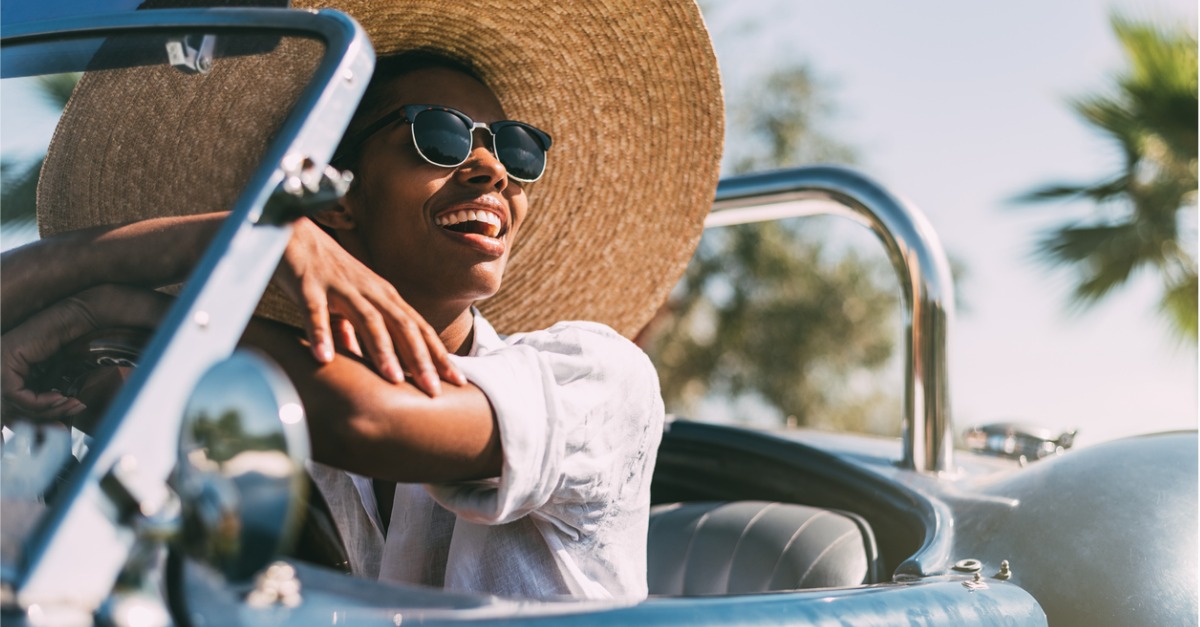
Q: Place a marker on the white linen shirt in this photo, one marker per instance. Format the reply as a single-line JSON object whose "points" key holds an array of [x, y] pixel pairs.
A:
{"points": [[580, 419]]}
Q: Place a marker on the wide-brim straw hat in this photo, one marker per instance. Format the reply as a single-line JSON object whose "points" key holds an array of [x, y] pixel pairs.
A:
{"points": [[628, 89]]}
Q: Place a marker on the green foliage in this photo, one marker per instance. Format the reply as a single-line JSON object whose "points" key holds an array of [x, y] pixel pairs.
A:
{"points": [[18, 181], [1149, 111], [56, 89], [778, 124], [769, 313], [19, 200], [764, 312], [225, 437]]}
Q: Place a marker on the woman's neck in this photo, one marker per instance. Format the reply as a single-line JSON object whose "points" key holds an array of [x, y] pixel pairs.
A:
{"points": [[454, 325], [459, 334]]}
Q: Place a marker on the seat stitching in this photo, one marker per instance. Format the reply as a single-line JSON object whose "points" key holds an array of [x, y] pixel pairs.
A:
{"points": [[779, 560], [829, 548], [687, 554], [738, 544]]}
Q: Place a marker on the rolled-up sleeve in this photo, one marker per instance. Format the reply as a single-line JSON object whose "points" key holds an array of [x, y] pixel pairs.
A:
{"points": [[574, 404]]}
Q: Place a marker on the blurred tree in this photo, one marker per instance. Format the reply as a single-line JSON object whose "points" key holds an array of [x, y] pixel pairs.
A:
{"points": [[18, 181], [778, 124], [770, 313], [1149, 110]]}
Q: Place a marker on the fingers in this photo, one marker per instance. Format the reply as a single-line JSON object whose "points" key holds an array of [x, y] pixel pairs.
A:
{"points": [[350, 306], [441, 358], [18, 399], [344, 336], [376, 340], [30, 343], [414, 349], [397, 340], [46, 405], [41, 336], [320, 337], [418, 346]]}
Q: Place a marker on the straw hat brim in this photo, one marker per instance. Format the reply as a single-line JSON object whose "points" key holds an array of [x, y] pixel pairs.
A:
{"points": [[628, 89]]}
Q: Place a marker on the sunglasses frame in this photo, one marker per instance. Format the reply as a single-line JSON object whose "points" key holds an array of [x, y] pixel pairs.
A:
{"points": [[408, 113]]}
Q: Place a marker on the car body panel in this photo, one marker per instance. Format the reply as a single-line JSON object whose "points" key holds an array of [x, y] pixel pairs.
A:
{"points": [[1101, 535]]}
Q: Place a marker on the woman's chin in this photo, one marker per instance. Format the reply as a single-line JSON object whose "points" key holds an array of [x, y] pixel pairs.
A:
{"points": [[480, 282]]}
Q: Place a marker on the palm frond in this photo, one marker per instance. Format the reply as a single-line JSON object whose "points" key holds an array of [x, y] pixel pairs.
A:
{"points": [[1179, 304], [1161, 81], [1104, 256], [1102, 191], [1112, 116], [1149, 111], [57, 88], [18, 193], [18, 181], [1164, 55]]}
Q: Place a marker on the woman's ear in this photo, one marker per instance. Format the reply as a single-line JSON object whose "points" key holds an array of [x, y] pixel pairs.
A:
{"points": [[338, 217]]}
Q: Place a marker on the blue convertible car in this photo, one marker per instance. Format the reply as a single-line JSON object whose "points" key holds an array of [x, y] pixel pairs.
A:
{"points": [[183, 504]]}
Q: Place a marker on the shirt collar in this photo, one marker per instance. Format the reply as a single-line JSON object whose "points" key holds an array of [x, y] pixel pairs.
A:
{"points": [[485, 339]]}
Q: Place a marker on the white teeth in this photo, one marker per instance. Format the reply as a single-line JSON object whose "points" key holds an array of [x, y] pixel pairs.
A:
{"points": [[470, 215]]}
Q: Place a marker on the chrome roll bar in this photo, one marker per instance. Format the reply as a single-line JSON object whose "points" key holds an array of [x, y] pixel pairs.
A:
{"points": [[916, 254]]}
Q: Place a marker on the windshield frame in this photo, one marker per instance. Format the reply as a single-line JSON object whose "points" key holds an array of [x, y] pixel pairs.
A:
{"points": [[210, 314]]}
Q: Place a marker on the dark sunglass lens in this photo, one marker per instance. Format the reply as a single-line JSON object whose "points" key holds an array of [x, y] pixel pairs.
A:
{"points": [[521, 153], [441, 137]]}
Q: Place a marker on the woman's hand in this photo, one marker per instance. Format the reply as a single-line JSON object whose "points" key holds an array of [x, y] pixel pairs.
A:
{"points": [[348, 304], [44, 334]]}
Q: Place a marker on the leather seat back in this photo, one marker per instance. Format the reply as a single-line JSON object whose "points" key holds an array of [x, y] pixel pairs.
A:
{"points": [[756, 546]]}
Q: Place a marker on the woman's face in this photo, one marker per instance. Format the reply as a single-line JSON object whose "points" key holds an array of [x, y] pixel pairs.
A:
{"points": [[401, 206]]}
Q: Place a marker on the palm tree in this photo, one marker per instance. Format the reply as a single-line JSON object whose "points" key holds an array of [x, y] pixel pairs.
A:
{"points": [[1150, 112], [18, 181]]}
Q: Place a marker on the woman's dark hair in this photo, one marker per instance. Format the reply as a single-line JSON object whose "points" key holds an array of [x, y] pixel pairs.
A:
{"points": [[373, 102]]}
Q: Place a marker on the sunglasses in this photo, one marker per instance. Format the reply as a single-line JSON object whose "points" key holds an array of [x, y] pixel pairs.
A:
{"points": [[444, 137]]}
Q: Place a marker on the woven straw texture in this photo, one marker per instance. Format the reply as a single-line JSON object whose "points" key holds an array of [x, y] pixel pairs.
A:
{"points": [[628, 89]]}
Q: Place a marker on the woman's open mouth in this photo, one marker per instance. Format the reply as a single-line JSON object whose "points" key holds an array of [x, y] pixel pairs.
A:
{"points": [[473, 221]]}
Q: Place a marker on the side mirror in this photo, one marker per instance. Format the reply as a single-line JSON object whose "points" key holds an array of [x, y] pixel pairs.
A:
{"points": [[240, 475]]}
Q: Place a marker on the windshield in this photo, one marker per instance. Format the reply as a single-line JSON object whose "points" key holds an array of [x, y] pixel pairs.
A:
{"points": [[158, 122]]}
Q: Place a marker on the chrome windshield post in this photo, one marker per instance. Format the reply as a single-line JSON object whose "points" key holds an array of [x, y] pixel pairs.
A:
{"points": [[90, 520], [915, 253]]}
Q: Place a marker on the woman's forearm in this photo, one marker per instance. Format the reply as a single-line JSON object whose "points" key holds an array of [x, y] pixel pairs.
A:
{"points": [[359, 422], [316, 273], [150, 253]]}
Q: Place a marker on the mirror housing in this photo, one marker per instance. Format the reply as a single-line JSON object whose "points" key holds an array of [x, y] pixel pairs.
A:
{"points": [[240, 475]]}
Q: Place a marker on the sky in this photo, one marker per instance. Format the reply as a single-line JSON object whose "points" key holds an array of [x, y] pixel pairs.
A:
{"points": [[959, 106]]}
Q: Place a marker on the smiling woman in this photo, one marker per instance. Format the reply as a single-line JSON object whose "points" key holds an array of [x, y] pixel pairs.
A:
{"points": [[417, 223], [449, 455]]}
